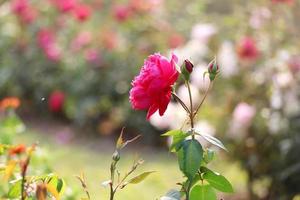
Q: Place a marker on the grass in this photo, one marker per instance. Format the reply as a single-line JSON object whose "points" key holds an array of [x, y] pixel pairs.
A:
{"points": [[69, 160]]}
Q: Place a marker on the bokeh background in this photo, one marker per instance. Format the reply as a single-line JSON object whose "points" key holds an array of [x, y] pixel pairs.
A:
{"points": [[71, 63]]}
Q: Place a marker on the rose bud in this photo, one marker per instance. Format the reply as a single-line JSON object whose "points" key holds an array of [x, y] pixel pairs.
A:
{"points": [[213, 69], [188, 65], [187, 69]]}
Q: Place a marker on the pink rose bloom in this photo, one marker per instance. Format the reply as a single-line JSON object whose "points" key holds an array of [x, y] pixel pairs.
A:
{"points": [[121, 12], [247, 49], [152, 87], [82, 12], [243, 114]]}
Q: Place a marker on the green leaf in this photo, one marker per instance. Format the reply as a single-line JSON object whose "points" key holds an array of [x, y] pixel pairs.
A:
{"points": [[15, 190], [216, 180], [177, 137], [140, 178], [189, 157], [203, 192], [171, 195], [58, 184], [212, 140]]}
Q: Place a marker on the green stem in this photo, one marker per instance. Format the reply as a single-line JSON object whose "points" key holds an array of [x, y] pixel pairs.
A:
{"points": [[204, 97], [191, 107]]}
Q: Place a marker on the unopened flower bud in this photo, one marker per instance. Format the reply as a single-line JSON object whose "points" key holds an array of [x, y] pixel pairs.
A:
{"points": [[116, 156], [187, 69], [213, 69], [188, 65]]}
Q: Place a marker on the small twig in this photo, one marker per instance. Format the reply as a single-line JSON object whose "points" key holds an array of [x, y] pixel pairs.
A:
{"points": [[204, 97], [181, 102]]}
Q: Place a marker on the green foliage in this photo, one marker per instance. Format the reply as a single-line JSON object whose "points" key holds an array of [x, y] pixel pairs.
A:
{"points": [[190, 157], [177, 137], [216, 180], [203, 192]]}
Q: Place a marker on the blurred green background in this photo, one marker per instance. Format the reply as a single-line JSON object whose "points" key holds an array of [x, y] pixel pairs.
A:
{"points": [[71, 64]]}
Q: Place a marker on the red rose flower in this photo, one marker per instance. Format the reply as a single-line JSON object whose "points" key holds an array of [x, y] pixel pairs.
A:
{"points": [[82, 12], [152, 87], [56, 101], [247, 49]]}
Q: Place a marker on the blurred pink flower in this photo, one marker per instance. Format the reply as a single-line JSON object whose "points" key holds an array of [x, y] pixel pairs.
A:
{"points": [[82, 39], [144, 5], [56, 101], [247, 48], [64, 5], [46, 41], [294, 64], [24, 11], [121, 12], [82, 12], [259, 16], [152, 87], [93, 56], [243, 114]]}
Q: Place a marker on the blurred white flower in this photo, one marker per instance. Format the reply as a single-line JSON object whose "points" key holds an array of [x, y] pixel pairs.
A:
{"points": [[259, 16], [192, 50], [173, 118], [276, 99], [183, 94], [283, 79], [197, 77], [203, 126], [203, 32], [227, 60]]}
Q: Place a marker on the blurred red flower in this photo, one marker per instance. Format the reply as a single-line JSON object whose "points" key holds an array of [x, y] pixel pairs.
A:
{"points": [[247, 49], [82, 12], [152, 87], [121, 12], [56, 101], [175, 40], [16, 150]]}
